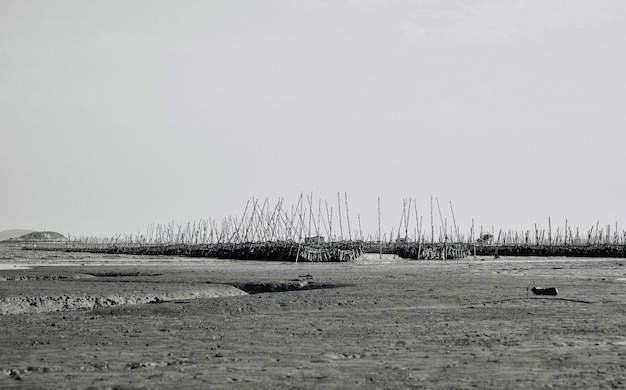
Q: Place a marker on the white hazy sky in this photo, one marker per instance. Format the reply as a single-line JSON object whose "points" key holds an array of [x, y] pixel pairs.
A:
{"points": [[118, 114]]}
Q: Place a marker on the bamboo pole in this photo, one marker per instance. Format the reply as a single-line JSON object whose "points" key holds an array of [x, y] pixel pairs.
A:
{"points": [[310, 199], [406, 222], [319, 216], [432, 226], [360, 230], [330, 222], [340, 224], [348, 216], [418, 223], [380, 244], [549, 232], [441, 220], [402, 216], [454, 221]]}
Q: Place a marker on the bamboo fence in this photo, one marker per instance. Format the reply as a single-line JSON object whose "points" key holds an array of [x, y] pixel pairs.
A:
{"points": [[307, 231]]}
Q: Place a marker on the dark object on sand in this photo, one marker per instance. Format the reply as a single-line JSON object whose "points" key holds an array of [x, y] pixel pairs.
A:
{"points": [[544, 290]]}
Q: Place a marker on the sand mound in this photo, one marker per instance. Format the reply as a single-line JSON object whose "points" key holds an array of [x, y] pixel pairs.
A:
{"points": [[40, 304]]}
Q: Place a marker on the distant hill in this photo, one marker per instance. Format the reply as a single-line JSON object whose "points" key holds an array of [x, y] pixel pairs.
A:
{"points": [[14, 233], [38, 236]]}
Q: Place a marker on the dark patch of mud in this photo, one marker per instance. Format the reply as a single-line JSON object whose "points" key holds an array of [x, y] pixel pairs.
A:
{"points": [[292, 285], [35, 278], [120, 274]]}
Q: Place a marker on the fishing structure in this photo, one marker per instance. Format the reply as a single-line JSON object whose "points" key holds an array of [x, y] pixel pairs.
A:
{"points": [[307, 232]]}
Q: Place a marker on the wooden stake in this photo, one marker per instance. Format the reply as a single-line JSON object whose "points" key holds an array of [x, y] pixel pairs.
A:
{"points": [[456, 232], [406, 222], [380, 244], [549, 232], [340, 224], [432, 226], [348, 216]]}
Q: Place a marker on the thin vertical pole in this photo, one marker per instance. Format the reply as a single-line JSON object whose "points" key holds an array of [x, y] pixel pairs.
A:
{"points": [[472, 238], [406, 221], [402, 216], [549, 232], [432, 226], [310, 199], [348, 216], [441, 220], [456, 232], [319, 215], [380, 244], [330, 222], [340, 225]]}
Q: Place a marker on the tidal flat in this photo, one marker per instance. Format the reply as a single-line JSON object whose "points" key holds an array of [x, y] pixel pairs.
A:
{"points": [[379, 323]]}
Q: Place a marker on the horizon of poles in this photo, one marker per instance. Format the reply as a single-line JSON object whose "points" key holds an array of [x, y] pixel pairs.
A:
{"points": [[262, 221]]}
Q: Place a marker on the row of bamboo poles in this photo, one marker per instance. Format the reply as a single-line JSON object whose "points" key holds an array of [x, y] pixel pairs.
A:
{"points": [[265, 231], [260, 222], [317, 231]]}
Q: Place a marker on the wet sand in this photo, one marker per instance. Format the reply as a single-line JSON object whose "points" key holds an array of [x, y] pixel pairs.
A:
{"points": [[371, 324]]}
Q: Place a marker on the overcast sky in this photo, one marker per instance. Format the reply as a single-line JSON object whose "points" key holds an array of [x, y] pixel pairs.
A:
{"points": [[118, 114]]}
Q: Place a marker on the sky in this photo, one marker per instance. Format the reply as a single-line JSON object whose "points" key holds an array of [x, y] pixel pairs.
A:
{"points": [[118, 114]]}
